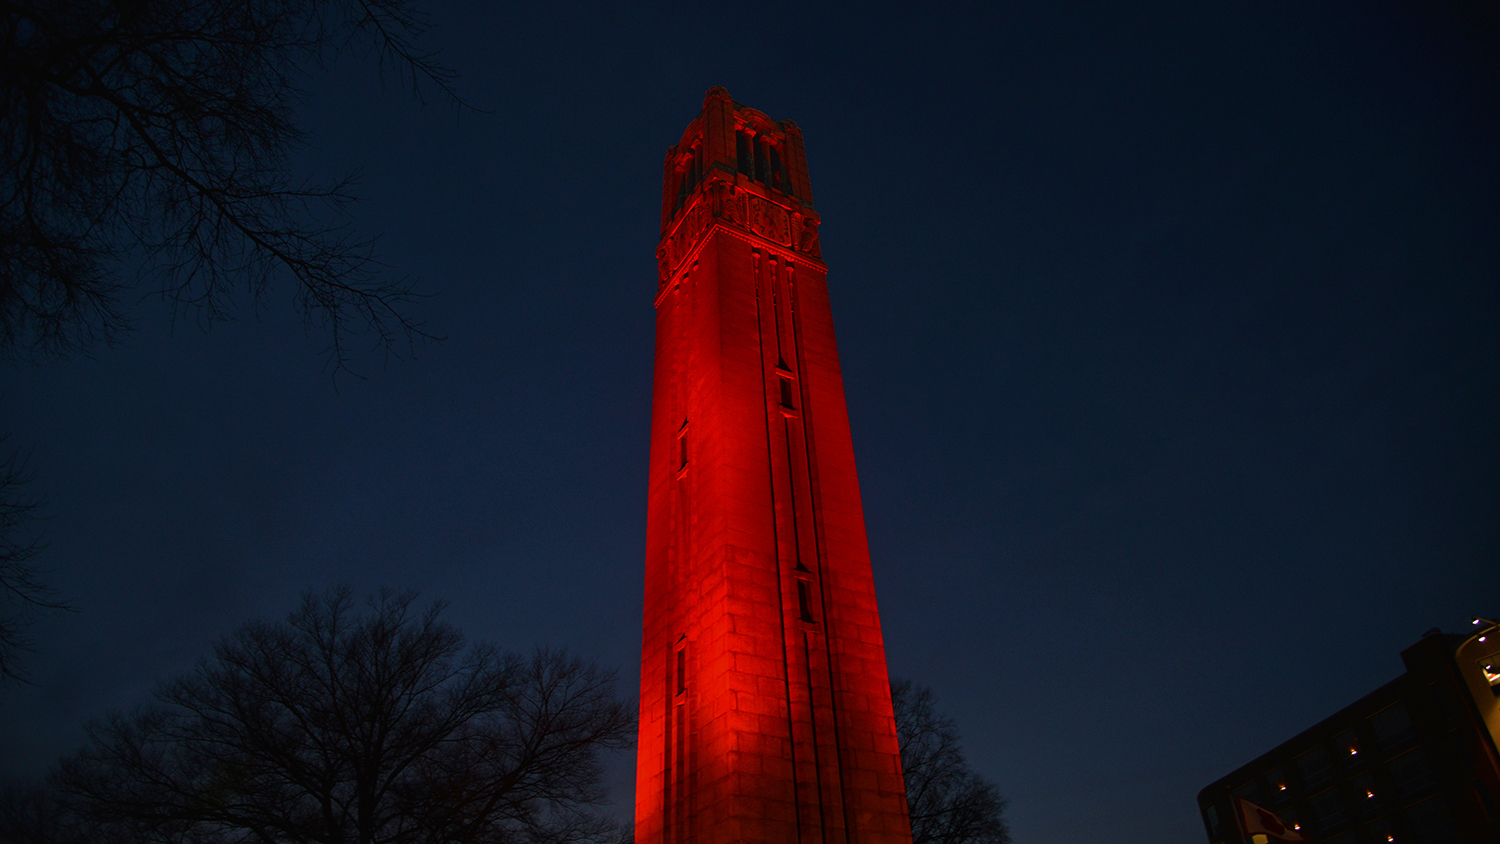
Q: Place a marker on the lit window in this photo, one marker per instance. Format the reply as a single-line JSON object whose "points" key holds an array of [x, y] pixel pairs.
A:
{"points": [[1490, 665]]}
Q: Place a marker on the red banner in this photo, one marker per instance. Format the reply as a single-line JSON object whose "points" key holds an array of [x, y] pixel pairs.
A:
{"points": [[1257, 820]]}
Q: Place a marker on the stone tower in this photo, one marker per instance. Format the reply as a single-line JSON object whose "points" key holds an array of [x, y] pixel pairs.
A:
{"points": [[765, 705]]}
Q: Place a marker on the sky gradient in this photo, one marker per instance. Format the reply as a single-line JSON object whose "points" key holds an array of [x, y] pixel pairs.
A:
{"points": [[1170, 335]]}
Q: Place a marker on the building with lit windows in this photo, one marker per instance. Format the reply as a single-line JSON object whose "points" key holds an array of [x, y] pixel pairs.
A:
{"points": [[1413, 762]]}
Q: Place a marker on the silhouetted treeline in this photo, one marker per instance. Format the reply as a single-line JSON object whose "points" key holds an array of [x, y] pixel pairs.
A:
{"points": [[345, 724]]}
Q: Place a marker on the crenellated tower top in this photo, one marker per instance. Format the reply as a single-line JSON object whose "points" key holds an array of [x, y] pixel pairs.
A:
{"points": [[737, 169]]}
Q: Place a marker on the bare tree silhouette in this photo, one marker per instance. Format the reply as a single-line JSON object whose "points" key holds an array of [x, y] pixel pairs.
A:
{"points": [[144, 147], [948, 802], [23, 591], [342, 725], [146, 144]]}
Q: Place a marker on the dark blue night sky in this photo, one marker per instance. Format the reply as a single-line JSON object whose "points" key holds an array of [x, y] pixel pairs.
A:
{"points": [[1171, 337]]}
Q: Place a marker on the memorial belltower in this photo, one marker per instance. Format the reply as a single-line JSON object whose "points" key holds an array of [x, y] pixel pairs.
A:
{"points": [[765, 704]]}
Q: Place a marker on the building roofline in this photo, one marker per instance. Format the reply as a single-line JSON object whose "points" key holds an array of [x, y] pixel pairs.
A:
{"points": [[1305, 737]]}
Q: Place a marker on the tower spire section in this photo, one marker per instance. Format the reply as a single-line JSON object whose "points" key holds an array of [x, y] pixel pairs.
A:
{"points": [[765, 701]]}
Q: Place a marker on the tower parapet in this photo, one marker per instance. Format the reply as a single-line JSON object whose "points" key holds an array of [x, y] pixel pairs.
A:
{"points": [[738, 169]]}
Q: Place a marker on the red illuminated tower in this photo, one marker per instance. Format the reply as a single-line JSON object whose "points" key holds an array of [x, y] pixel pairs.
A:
{"points": [[765, 705]]}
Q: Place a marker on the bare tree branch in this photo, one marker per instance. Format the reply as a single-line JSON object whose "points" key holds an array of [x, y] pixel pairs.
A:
{"points": [[23, 590], [146, 143], [948, 802], [359, 725]]}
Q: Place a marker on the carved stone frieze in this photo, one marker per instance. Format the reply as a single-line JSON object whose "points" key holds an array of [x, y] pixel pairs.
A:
{"points": [[726, 205], [692, 223], [807, 236]]}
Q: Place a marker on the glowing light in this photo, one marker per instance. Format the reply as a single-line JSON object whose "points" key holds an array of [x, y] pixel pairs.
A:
{"points": [[1353, 751], [1369, 794], [1281, 787], [707, 692], [1484, 638]]}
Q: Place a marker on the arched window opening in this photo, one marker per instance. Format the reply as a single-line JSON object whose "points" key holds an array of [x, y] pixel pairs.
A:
{"points": [[743, 159], [689, 174], [761, 158]]}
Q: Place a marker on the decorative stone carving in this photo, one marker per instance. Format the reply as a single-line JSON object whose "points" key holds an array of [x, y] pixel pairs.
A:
{"points": [[734, 207], [769, 220], [684, 235], [723, 204]]}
